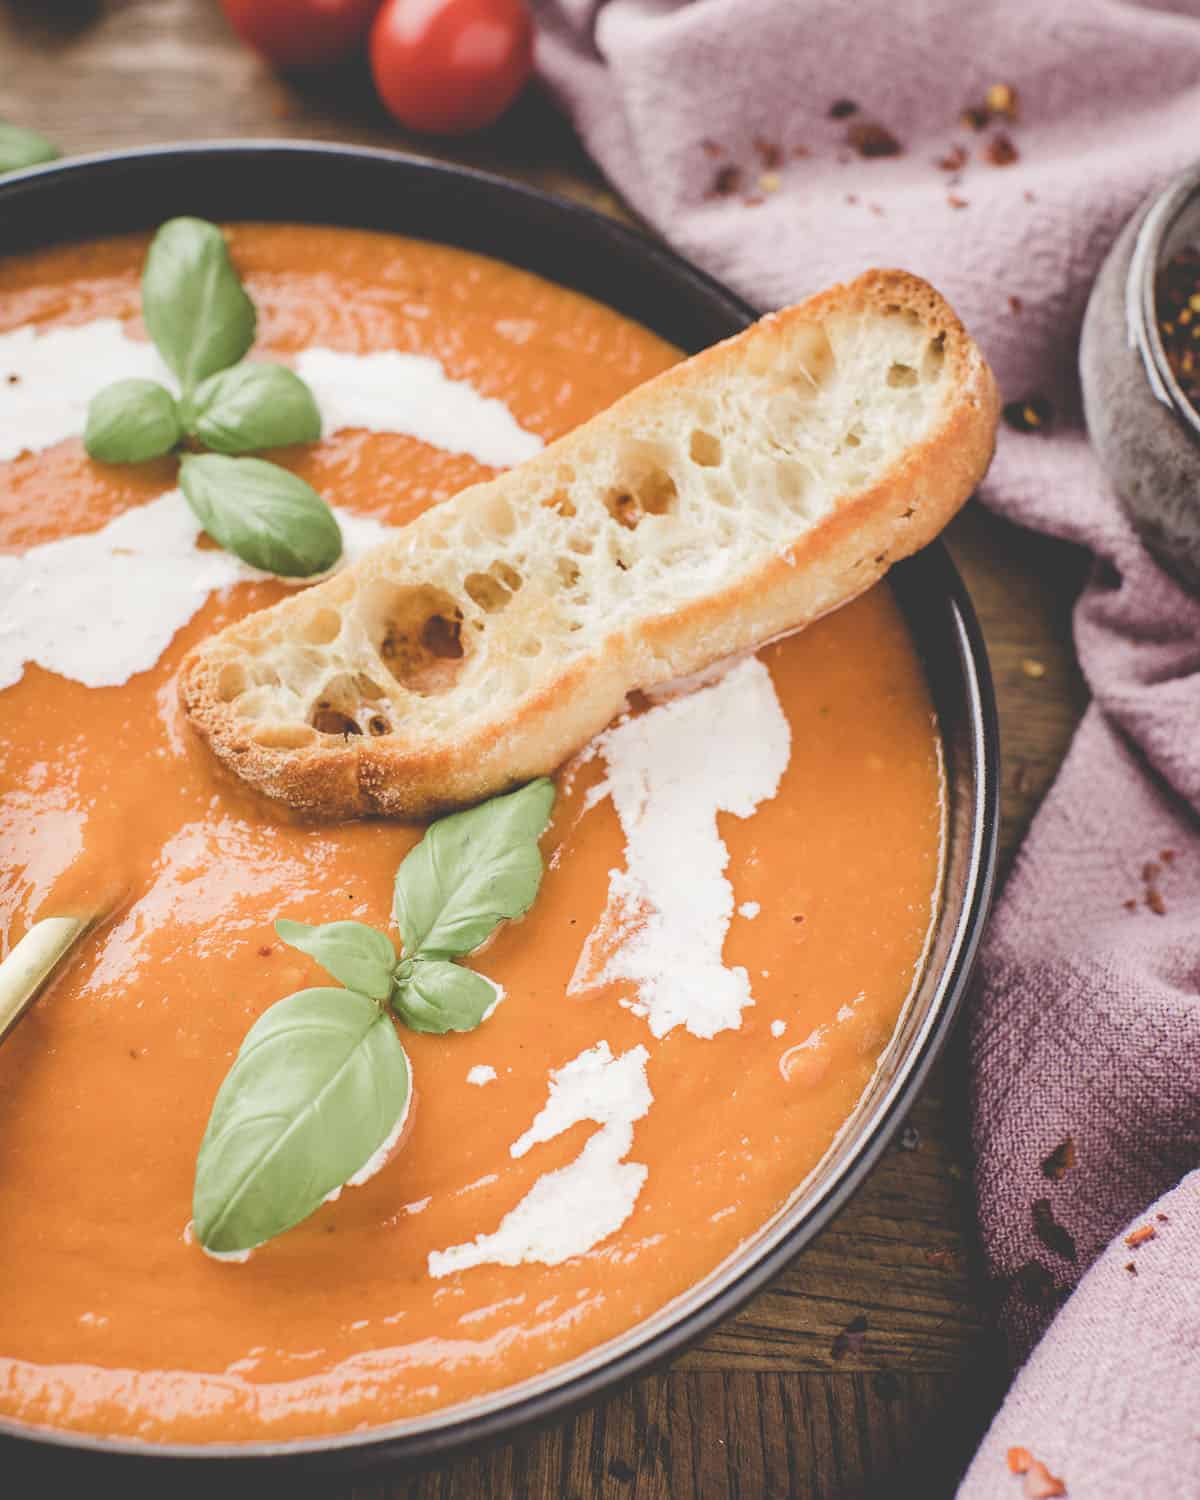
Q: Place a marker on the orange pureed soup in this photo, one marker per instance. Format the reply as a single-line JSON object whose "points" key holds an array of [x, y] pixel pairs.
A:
{"points": [[113, 1320]]}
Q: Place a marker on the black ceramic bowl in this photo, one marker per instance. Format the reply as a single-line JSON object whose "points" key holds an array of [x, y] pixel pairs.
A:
{"points": [[580, 249]]}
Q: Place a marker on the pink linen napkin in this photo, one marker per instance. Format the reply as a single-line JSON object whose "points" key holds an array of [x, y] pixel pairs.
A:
{"points": [[787, 144]]}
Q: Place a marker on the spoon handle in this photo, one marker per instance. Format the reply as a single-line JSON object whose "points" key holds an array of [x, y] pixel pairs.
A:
{"points": [[31, 963]]}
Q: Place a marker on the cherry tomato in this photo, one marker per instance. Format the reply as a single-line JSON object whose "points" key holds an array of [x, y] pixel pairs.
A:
{"points": [[447, 67], [301, 33]]}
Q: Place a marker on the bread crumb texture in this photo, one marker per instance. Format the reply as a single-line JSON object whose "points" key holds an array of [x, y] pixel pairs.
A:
{"points": [[740, 495]]}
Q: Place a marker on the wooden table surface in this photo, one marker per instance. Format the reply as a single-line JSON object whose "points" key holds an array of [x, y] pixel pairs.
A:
{"points": [[766, 1406]]}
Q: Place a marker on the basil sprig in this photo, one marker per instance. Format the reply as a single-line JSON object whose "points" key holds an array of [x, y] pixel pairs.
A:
{"points": [[132, 421], [437, 996], [357, 955], [193, 302], [23, 148], [472, 870], [202, 322], [254, 406], [319, 1084], [321, 1081], [267, 515]]}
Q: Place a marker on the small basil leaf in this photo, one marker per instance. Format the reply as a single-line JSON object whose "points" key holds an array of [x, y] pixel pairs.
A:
{"points": [[357, 955], [195, 307], [267, 516], [439, 996], [471, 871], [254, 406], [131, 421], [320, 1083], [23, 148]]}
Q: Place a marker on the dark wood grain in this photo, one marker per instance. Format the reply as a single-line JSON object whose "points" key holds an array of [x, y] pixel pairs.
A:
{"points": [[768, 1405]]}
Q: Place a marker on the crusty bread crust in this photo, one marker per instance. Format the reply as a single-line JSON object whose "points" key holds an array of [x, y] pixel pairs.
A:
{"points": [[436, 751]]}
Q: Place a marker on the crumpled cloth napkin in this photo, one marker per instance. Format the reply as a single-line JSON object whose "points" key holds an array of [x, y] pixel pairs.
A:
{"points": [[724, 123]]}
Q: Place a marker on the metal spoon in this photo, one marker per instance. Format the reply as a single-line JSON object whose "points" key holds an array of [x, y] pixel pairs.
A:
{"points": [[23, 974]]}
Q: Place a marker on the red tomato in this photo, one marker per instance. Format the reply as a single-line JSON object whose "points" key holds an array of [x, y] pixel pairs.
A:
{"points": [[301, 33], [451, 66]]}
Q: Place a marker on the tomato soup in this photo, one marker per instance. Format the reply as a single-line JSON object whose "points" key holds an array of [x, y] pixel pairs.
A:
{"points": [[114, 1320]]}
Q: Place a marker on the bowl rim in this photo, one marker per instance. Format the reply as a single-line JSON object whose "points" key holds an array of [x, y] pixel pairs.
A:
{"points": [[733, 1282], [1141, 312]]}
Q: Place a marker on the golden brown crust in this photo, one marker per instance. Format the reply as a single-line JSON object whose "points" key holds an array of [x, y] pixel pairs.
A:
{"points": [[830, 563]]}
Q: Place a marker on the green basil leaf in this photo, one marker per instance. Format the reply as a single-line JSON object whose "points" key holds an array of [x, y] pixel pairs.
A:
{"points": [[438, 996], [131, 421], [320, 1083], [471, 871], [267, 516], [254, 406], [195, 307], [23, 148], [357, 955]]}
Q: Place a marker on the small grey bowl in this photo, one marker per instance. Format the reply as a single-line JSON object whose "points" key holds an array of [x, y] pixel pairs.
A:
{"points": [[1145, 430]]}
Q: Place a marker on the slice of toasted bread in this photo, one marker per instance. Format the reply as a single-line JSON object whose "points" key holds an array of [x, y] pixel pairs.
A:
{"points": [[742, 494]]}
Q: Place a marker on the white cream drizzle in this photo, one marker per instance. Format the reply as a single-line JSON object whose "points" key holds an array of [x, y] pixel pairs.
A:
{"points": [[411, 393], [59, 369], [103, 606], [570, 1210], [671, 770], [100, 607], [57, 372]]}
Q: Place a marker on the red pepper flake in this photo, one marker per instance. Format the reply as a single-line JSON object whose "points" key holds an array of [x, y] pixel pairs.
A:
{"points": [[769, 153], [955, 201], [876, 208], [727, 182], [1154, 900], [852, 1338], [797, 918], [265, 951], [1020, 1460], [954, 160], [1151, 871], [800, 152], [1016, 306], [842, 109], [1130, 904], [1060, 1161], [1002, 99], [1162, 1218], [974, 117], [870, 139], [1000, 151], [1040, 1484], [1051, 1233], [851, 197], [711, 148], [1167, 856], [1139, 1236], [1033, 414], [1131, 1268]]}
